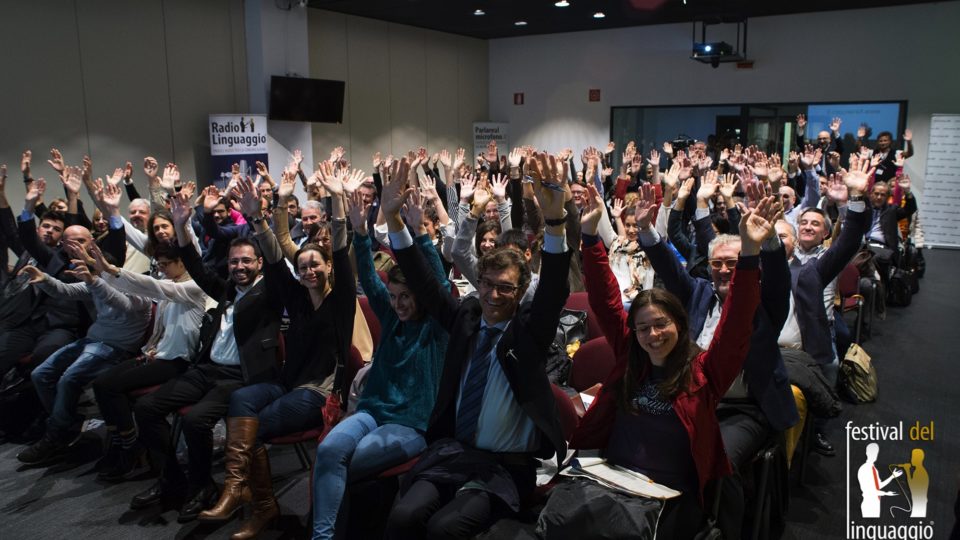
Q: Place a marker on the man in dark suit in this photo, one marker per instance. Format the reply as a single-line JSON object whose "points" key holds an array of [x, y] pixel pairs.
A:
{"points": [[495, 410], [239, 343], [883, 236]]}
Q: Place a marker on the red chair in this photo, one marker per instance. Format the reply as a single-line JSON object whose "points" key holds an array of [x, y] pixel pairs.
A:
{"points": [[578, 301], [299, 438], [848, 286], [373, 323], [591, 364], [383, 276]]}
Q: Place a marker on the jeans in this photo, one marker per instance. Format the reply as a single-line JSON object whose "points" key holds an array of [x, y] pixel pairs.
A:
{"points": [[280, 412], [60, 379], [356, 448]]}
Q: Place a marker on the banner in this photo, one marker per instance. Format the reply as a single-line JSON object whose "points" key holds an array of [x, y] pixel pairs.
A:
{"points": [[483, 133], [240, 139], [940, 204]]}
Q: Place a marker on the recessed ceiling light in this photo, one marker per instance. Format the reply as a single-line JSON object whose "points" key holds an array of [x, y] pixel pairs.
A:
{"points": [[598, 15], [520, 23], [562, 3], [479, 12]]}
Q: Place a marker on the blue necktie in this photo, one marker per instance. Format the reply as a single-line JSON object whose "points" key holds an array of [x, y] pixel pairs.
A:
{"points": [[471, 397]]}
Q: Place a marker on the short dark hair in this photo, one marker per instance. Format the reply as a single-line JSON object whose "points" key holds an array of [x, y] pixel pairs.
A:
{"points": [[826, 218], [483, 229], [244, 241], [53, 215], [721, 223], [167, 251], [514, 237], [887, 133], [499, 259]]}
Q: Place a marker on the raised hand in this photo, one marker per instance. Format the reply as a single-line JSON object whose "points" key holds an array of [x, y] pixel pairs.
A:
{"points": [[249, 198], [655, 158], [211, 197], [189, 189], [376, 161], [329, 179], [288, 181], [590, 219], [458, 158], [672, 177], [25, 163], [79, 271], [395, 190], [352, 181], [861, 131], [467, 186], [908, 135], [296, 158], [71, 180], [428, 189], [686, 168], [835, 124], [413, 212], [616, 210], [181, 208], [99, 262], [550, 190], [336, 154], [904, 183], [514, 158], [793, 162], [35, 191], [683, 192], [86, 170], [756, 225], [491, 155], [668, 148], [115, 178], [171, 175], [150, 168], [611, 146], [498, 184], [110, 198], [899, 161], [446, 159], [708, 186], [728, 186], [811, 156], [858, 177], [837, 190], [480, 199], [358, 212], [127, 171], [646, 206], [388, 162], [56, 160]]}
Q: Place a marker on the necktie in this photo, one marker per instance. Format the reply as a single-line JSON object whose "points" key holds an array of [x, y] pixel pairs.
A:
{"points": [[471, 397]]}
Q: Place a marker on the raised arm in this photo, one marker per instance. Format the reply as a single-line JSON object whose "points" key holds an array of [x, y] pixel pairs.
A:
{"points": [[208, 281], [374, 289], [676, 279]]}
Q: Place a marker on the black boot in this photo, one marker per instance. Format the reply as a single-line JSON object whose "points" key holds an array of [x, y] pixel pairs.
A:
{"points": [[126, 465], [43, 452], [162, 490], [199, 500]]}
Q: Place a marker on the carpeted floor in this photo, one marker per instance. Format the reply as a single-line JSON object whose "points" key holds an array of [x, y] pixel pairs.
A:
{"points": [[913, 350]]}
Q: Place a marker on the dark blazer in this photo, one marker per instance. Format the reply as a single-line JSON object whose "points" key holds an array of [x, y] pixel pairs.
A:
{"points": [[216, 240], [890, 215], [61, 312], [764, 372], [811, 278], [256, 320], [522, 351]]}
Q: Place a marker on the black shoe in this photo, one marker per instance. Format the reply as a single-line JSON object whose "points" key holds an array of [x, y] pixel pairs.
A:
{"points": [[127, 463], [161, 490], [201, 500], [43, 452], [822, 446]]}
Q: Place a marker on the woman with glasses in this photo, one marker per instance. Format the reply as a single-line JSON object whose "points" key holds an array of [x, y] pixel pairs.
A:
{"points": [[321, 311], [655, 413]]}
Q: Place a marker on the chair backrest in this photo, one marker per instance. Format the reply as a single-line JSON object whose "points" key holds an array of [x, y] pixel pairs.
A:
{"points": [[579, 302], [592, 363], [568, 413], [373, 323], [848, 283], [354, 363]]}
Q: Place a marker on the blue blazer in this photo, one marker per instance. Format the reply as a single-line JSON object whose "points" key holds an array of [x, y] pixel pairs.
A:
{"points": [[764, 371]]}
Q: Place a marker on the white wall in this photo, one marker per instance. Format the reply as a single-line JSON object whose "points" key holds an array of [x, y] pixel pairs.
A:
{"points": [[406, 87], [117, 80], [883, 54]]}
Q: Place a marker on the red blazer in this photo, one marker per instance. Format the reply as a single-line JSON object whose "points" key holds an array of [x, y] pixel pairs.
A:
{"points": [[713, 370]]}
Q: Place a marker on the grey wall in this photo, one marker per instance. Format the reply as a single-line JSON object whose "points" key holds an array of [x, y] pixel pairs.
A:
{"points": [[406, 87], [117, 80]]}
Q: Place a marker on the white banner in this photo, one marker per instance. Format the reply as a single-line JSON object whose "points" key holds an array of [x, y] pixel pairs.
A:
{"points": [[940, 205], [238, 134], [484, 132]]}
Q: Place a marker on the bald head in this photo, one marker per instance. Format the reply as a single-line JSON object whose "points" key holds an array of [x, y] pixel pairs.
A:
{"points": [[78, 234]]}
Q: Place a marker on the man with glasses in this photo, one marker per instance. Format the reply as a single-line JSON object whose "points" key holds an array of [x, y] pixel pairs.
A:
{"points": [[495, 410], [239, 347], [760, 401]]}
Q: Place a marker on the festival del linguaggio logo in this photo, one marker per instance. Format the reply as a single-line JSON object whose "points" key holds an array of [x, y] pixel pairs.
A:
{"points": [[887, 480]]}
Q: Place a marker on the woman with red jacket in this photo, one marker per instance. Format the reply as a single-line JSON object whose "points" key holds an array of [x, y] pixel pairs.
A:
{"points": [[656, 411]]}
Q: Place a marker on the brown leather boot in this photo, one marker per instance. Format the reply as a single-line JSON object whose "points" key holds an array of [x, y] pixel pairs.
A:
{"points": [[265, 507], [241, 436]]}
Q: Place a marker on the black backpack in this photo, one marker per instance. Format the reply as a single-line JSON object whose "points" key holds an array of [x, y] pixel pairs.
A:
{"points": [[900, 287]]}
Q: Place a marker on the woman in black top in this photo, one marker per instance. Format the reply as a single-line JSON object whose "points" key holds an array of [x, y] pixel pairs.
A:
{"points": [[321, 324]]}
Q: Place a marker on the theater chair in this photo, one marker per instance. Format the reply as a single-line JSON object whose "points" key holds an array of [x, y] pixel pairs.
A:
{"points": [[578, 301], [591, 364], [848, 287]]}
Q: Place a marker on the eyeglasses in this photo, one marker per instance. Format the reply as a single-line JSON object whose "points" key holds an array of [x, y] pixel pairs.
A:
{"points": [[718, 264], [659, 326], [505, 289], [163, 264]]}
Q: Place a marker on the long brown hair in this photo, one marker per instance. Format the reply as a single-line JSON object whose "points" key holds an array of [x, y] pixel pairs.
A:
{"points": [[677, 367]]}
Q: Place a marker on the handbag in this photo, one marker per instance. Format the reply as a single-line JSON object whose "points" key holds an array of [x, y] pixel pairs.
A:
{"points": [[858, 377]]}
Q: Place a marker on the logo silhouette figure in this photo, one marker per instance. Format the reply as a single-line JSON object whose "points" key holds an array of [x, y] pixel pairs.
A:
{"points": [[870, 483]]}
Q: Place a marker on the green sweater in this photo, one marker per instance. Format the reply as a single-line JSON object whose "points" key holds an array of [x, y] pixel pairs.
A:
{"points": [[405, 375]]}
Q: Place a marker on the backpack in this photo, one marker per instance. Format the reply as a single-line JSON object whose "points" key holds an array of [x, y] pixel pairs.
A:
{"points": [[858, 377], [900, 287], [572, 328]]}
